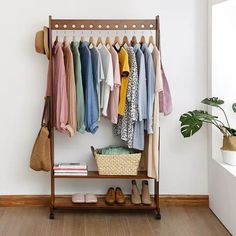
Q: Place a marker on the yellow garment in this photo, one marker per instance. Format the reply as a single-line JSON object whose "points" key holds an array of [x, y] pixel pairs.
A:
{"points": [[124, 72]]}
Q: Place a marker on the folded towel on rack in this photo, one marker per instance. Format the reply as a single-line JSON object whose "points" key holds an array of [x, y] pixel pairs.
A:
{"points": [[114, 150]]}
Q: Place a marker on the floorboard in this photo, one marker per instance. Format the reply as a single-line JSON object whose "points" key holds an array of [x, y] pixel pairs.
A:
{"points": [[176, 221]]}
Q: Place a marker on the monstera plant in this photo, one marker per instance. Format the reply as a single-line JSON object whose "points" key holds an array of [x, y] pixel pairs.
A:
{"points": [[192, 121]]}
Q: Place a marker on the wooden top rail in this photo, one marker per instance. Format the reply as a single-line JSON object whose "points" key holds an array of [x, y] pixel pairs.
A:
{"points": [[83, 24]]}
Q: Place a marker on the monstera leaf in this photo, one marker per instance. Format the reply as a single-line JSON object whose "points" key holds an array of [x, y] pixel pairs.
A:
{"points": [[190, 124], [234, 107], [204, 115], [192, 121], [214, 101]]}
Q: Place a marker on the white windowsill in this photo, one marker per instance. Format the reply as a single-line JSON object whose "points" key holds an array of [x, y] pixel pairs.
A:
{"points": [[229, 168]]}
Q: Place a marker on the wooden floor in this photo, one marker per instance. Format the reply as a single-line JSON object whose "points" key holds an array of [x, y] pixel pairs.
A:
{"points": [[176, 221]]}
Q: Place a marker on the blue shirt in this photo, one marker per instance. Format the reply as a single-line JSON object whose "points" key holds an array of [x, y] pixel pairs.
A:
{"points": [[138, 141], [142, 93], [90, 98], [150, 75], [97, 74]]}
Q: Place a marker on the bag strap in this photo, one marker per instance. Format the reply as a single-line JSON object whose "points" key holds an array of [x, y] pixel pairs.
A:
{"points": [[45, 109]]}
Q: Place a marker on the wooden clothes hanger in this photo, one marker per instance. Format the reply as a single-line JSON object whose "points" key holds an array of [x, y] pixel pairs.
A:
{"points": [[143, 40], [134, 40], [74, 38], [82, 39], [108, 42], [99, 41], [57, 38], [117, 43], [126, 41], [91, 42], [151, 41]]}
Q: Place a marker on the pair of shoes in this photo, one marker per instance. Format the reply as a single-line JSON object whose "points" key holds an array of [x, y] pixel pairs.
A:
{"points": [[135, 196], [84, 198], [113, 196]]}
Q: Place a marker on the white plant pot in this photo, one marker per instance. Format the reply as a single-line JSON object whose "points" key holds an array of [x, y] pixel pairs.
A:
{"points": [[229, 157]]}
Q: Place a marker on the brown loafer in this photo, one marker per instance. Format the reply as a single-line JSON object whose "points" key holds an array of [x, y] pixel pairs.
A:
{"points": [[120, 198], [110, 196]]}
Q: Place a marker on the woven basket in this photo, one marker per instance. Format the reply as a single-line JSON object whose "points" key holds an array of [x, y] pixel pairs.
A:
{"points": [[124, 164]]}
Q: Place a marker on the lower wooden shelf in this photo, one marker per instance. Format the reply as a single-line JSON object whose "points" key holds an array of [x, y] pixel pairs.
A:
{"points": [[66, 203]]}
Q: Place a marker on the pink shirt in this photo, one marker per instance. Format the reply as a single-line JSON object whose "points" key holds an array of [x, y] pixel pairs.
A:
{"points": [[60, 101], [112, 111]]}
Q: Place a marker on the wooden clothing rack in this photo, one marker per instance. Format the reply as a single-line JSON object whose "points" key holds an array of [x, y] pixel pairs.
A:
{"points": [[58, 202]]}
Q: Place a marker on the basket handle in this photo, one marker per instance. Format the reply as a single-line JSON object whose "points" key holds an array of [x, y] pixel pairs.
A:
{"points": [[93, 151]]}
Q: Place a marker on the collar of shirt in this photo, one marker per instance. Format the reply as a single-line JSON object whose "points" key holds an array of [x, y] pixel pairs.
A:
{"points": [[83, 44], [136, 47], [74, 44], [55, 47]]}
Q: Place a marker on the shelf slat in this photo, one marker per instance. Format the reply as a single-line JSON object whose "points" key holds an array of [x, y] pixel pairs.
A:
{"points": [[66, 203], [95, 175]]}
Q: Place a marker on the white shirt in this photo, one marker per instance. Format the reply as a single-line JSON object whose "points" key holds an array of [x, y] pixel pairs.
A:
{"points": [[108, 77]]}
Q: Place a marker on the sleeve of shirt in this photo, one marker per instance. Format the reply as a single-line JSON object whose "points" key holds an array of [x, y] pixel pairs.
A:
{"points": [[157, 68], [142, 98], [125, 70], [101, 68], [62, 101], [109, 76], [151, 94], [116, 72]]}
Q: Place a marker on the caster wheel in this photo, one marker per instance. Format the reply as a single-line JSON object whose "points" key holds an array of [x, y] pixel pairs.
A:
{"points": [[158, 216], [51, 216]]}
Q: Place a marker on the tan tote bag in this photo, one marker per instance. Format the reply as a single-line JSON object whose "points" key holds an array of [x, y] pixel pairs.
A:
{"points": [[41, 153]]}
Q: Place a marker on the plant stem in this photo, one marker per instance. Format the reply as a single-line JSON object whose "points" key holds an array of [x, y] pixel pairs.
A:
{"points": [[224, 115], [216, 125]]}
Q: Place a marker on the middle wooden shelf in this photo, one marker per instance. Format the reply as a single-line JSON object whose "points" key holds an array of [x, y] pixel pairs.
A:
{"points": [[95, 175]]}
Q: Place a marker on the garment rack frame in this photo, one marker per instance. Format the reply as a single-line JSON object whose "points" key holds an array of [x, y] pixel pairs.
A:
{"points": [[61, 203]]}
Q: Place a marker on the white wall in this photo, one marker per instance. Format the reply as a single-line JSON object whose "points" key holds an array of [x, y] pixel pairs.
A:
{"points": [[223, 63], [23, 80], [222, 48]]}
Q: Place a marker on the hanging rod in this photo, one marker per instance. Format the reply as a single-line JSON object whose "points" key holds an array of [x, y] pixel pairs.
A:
{"points": [[83, 24]]}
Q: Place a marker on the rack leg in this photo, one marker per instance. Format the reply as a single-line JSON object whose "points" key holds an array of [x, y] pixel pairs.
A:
{"points": [[157, 210], [51, 214]]}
